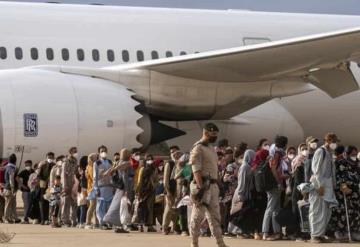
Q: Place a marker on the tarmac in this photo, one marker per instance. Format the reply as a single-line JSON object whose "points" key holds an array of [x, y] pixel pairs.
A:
{"points": [[37, 235]]}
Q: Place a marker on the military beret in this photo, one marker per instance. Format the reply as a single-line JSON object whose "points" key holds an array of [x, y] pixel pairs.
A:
{"points": [[211, 127]]}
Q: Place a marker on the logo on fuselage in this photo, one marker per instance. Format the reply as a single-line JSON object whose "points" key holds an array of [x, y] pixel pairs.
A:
{"points": [[30, 125]]}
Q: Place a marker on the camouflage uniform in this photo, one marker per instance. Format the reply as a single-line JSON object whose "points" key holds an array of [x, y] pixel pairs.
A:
{"points": [[204, 158], [68, 173]]}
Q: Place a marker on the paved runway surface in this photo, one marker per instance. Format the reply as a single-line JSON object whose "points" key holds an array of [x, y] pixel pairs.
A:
{"points": [[38, 236]]}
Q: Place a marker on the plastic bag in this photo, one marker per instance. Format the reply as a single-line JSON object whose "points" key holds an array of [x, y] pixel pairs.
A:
{"points": [[125, 216]]}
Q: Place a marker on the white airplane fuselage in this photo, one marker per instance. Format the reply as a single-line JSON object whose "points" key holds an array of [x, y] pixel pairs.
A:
{"points": [[98, 36]]}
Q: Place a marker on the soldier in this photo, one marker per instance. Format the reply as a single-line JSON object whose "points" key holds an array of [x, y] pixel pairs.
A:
{"points": [[68, 172], [204, 188]]}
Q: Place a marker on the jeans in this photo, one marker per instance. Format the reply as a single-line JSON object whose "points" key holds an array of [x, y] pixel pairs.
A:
{"points": [[26, 201], [83, 211], [272, 209]]}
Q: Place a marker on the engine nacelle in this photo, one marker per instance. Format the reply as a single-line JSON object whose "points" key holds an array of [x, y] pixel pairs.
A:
{"points": [[42, 111]]}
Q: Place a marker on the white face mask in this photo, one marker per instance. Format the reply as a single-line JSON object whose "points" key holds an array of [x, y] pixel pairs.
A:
{"points": [[103, 155], [291, 156], [304, 153], [75, 155], [28, 168], [333, 146], [149, 162], [353, 158], [313, 145], [50, 160], [266, 147], [137, 157], [358, 156]]}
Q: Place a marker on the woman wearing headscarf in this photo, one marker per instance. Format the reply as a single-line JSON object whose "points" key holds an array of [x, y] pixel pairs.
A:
{"points": [[298, 177], [91, 212], [347, 188], [242, 200], [120, 182]]}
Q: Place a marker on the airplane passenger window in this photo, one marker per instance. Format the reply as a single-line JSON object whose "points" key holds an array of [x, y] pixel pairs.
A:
{"points": [[125, 55], [34, 53], [154, 55], [182, 53], [80, 54], [140, 56], [18, 53], [49, 54], [3, 53], [95, 55], [168, 54], [110, 55], [65, 54]]}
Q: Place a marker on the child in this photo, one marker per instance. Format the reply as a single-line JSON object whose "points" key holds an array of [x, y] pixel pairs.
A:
{"points": [[81, 197], [55, 200]]}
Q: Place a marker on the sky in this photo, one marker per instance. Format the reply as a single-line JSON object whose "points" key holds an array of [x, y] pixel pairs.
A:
{"points": [[347, 7]]}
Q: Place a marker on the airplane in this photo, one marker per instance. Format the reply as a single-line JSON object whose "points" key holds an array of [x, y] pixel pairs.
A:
{"points": [[86, 75]]}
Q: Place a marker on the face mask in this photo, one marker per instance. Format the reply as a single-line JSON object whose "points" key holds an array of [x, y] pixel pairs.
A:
{"points": [[75, 155], [161, 168], [266, 147], [212, 139], [353, 158], [291, 156], [103, 155], [333, 146], [28, 168], [313, 145], [149, 162], [304, 153], [49, 160], [358, 156], [137, 157]]}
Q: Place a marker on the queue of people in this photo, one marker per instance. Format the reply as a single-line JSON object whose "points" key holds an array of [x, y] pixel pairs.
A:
{"points": [[271, 192]]}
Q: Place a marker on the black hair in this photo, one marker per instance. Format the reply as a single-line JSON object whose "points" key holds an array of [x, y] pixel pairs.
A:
{"points": [[350, 149], [223, 143], [12, 159], [339, 150], [71, 150], [50, 154], [281, 141], [83, 162], [116, 154], [28, 162], [261, 142], [102, 147], [149, 156], [57, 177], [174, 147], [60, 158]]}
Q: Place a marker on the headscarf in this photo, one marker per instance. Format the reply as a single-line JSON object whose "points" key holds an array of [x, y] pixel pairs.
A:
{"points": [[248, 157], [92, 158], [125, 154], [299, 159], [260, 156]]}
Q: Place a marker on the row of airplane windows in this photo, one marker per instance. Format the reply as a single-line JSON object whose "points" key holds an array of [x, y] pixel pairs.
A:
{"points": [[80, 53]]}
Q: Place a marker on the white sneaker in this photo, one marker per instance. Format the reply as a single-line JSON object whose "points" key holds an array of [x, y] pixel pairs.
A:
{"points": [[88, 227]]}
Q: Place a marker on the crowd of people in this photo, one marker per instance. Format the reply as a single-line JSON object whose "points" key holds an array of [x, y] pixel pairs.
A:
{"points": [[272, 192]]}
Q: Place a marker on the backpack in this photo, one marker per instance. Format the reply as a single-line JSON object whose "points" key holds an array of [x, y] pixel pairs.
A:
{"points": [[264, 178]]}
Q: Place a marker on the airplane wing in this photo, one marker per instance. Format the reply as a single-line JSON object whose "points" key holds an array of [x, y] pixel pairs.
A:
{"points": [[321, 59]]}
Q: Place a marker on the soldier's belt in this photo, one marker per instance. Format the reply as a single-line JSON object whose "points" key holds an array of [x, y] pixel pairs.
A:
{"points": [[210, 181]]}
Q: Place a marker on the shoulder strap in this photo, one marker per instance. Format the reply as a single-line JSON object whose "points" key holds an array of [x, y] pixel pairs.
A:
{"points": [[323, 153]]}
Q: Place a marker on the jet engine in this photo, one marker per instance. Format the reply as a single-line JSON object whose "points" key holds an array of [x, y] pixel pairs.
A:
{"points": [[42, 111]]}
